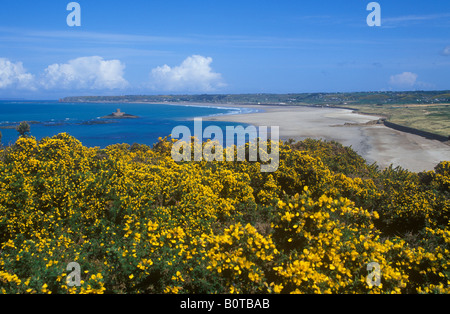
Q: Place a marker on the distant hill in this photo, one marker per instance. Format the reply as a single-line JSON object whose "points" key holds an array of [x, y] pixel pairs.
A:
{"points": [[330, 99]]}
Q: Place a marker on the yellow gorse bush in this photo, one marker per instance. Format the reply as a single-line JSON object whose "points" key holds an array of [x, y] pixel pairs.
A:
{"points": [[138, 222]]}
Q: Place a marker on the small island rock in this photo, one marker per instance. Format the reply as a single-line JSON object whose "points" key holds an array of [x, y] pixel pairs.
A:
{"points": [[119, 115]]}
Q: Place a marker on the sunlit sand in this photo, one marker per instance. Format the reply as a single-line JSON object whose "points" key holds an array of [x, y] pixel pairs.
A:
{"points": [[375, 142]]}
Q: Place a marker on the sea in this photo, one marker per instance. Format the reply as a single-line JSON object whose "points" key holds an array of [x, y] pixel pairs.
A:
{"points": [[84, 122]]}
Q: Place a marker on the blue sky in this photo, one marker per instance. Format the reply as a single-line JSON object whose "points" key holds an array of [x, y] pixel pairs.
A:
{"points": [[217, 46]]}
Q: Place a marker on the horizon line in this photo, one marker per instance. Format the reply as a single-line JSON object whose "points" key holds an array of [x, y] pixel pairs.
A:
{"points": [[225, 94]]}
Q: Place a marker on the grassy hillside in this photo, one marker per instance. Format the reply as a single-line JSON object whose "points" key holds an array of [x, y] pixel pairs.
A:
{"points": [[138, 222], [431, 118]]}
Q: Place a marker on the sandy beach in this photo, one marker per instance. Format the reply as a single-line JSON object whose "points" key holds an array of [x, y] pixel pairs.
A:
{"points": [[375, 142]]}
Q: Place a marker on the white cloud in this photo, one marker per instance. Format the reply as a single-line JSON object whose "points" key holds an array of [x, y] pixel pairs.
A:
{"points": [[446, 51], [14, 75], [85, 73], [405, 79], [409, 19], [193, 75]]}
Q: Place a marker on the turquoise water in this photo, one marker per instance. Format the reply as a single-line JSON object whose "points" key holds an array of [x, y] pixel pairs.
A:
{"points": [[82, 120]]}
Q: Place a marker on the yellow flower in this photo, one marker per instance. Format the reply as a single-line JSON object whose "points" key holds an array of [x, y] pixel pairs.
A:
{"points": [[278, 288]]}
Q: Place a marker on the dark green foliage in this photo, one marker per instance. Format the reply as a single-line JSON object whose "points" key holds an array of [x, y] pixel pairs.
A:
{"points": [[24, 129]]}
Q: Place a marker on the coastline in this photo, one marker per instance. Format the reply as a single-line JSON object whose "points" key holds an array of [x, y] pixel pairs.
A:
{"points": [[374, 142]]}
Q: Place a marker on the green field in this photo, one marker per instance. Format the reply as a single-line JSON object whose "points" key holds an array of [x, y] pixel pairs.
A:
{"points": [[431, 118]]}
